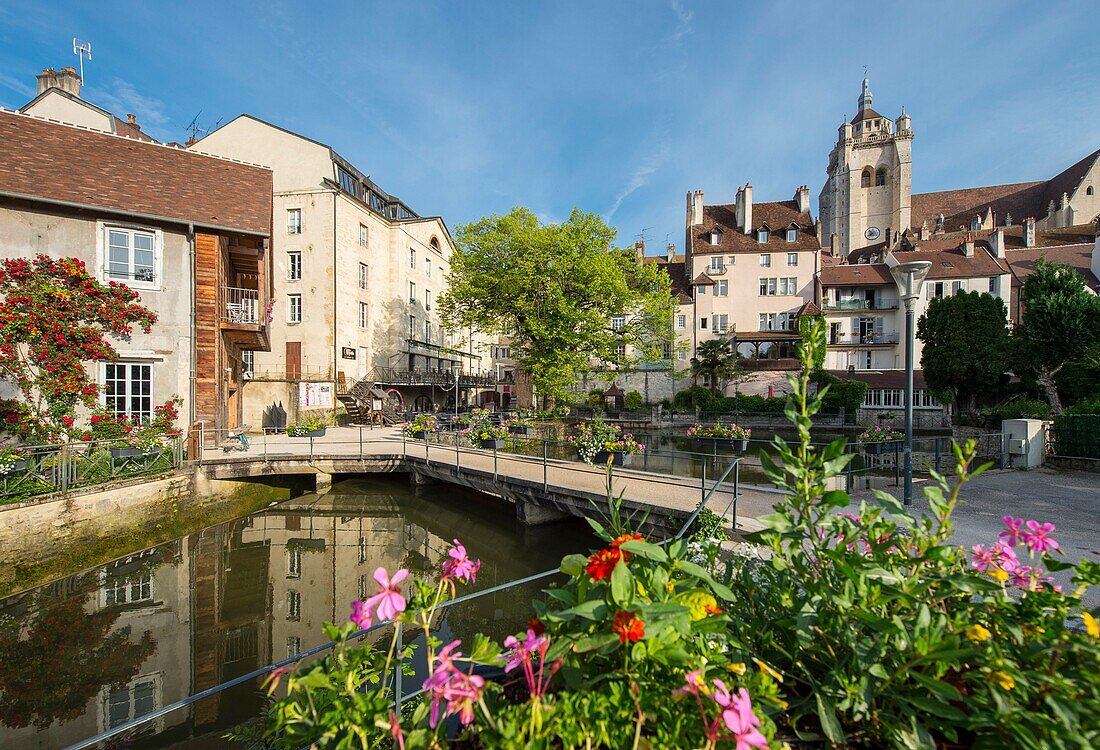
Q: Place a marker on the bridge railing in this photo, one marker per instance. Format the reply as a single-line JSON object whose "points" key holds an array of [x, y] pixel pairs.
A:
{"points": [[141, 724]]}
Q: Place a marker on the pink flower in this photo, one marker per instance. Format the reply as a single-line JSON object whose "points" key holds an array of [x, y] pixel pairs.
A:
{"points": [[448, 684], [1011, 534], [1000, 555], [522, 654], [522, 651], [460, 566], [1036, 537], [693, 681], [1021, 576], [386, 604], [739, 717]]}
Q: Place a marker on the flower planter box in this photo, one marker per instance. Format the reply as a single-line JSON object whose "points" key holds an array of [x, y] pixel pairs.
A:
{"points": [[319, 432], [875, 449], [117, 453], [617, 458], [419, 435], [18, 465], [524, 431], [740, 444], [492, 444]]}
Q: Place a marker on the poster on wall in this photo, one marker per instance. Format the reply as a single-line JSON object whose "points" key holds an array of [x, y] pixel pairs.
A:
{"points": [[315, 395]]}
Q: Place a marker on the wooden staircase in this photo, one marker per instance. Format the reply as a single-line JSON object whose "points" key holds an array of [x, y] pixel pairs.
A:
{"points": [[355, 412]]}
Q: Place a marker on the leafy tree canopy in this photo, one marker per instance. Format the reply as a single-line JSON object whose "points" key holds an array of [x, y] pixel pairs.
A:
{"points": [[1060, 325], [966, 345], [554, 289], [716, 360]]}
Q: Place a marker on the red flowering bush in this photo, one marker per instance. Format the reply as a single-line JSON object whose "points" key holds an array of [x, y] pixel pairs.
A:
{"points": [[54, 318]]}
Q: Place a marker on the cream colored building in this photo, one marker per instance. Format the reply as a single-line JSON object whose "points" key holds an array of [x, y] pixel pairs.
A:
{"points": [[357, 274]]}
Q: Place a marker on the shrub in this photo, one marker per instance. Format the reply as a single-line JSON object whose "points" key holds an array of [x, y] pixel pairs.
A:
{"points": [[1021, 408], [1086, 406], [633, 400], [731, 431]]}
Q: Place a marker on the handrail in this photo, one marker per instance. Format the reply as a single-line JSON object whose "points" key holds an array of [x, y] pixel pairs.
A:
{"points": [[398, 699]]}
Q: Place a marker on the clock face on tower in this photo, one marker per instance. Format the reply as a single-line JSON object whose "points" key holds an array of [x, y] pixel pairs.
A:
{"points": [[872, 233]]}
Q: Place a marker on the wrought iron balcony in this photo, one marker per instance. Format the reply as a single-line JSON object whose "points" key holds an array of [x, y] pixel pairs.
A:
{"points": [[859, 304], [242, 306]]}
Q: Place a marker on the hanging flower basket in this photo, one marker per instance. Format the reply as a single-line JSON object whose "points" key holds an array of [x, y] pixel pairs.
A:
{"points": [[617, 458], [878, 439], [128, 452], [876, 449], [492, 444]]}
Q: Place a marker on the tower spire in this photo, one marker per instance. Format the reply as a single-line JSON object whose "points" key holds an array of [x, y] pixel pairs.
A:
{"points": [[865, 95]]}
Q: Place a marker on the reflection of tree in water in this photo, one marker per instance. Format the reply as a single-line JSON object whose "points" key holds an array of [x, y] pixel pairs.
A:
{"points": [[59, 657]]}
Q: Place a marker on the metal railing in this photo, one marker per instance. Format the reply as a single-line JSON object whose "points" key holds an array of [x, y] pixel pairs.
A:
{"points": [[399, 695], [43, 469], [865, 338], [858, 304], [241, 306]]}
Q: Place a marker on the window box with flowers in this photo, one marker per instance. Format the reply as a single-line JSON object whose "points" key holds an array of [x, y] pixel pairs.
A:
{"points": [[523, 426], [878, 439], [598, 442], [310, 424], [11, 461], [716, 435], [422, 426], [486, 435]]}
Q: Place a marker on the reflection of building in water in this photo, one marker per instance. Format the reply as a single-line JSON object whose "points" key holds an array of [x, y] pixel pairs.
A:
{"points": [[144, 605]]}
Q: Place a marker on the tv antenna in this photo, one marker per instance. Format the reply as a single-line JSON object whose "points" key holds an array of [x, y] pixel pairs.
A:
{"points": [[193, 127], [80, 49], [642, 234]]}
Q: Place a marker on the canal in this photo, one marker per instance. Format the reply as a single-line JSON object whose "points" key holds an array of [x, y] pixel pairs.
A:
{"points": [[99, 647]]}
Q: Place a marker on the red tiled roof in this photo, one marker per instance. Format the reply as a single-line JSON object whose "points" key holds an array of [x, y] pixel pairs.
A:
{"points": [[1079, 257], [703, 280], [777, 215], [866, 114], [856, 274], [953, 264], [70, 165], [677, 272]]}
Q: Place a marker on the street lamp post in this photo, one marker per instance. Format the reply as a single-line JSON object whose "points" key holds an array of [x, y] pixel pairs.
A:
{"points": [[909, 277]]}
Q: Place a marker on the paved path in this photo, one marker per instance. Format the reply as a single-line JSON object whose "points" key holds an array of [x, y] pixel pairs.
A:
{"points": [[655, 490]]}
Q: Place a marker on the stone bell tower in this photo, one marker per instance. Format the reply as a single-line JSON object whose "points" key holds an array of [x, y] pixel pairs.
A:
{"points": [[867, 195]]}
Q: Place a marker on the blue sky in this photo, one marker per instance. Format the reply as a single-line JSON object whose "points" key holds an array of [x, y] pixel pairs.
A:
{"points": [[469, 108]]}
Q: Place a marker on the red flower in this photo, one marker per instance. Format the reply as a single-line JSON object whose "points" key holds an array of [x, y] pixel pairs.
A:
{"points": [[535, 625], [629, 627], [623, 538], [602, 563]]}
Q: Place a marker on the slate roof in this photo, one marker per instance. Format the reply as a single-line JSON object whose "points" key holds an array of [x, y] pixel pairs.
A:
{"points": [[43, 160], [778, 216], [866, 114], [677, 272]]}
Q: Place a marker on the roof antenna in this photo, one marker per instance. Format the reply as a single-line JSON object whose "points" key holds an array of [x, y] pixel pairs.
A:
{"points": [[194, 129], [80, 49]]}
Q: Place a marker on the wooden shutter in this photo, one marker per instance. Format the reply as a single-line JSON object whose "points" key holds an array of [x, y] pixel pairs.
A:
{"points": [[293, 360]]}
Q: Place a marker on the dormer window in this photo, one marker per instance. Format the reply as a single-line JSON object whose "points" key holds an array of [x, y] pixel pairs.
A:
{"points": [[792, 234], [975, 223], [762, 235], [939, 221], [715, 236]]}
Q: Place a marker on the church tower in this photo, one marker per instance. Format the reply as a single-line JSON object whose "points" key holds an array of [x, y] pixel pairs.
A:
{"points": [[867, 196]]}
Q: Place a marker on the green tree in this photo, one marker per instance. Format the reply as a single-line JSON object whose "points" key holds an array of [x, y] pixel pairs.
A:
{"points": [[1060, 325], [555, 289], [966, 346], [715, 360]]}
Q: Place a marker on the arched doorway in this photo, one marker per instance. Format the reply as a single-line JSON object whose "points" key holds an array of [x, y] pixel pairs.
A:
{"points": [[422, 403]]}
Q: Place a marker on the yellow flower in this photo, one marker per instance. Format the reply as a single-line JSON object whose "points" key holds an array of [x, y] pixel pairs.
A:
{"points": [[738, 668], [1031, 630], [669, 587], [768, 670], [1091, 626], [1004, 680], [977, 633], [998, 575], [698, 602]]}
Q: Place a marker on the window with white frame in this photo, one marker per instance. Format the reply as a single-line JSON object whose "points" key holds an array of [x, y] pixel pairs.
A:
{"points": [[731, 260], [128, 389], [994, 285], [620, 350], [362, 275], [792, 234], [788, 285], [618, 323], [294, 265], [762, 235], [956, 287], [427, 331], [792, 259], [427, 299], [294, 308], [293, 645], [666, 350], [293, 562], [719, 323], [364, 314], [701, 289], [765, 260], [293, 605], [767, 321], [131, 701], [787, 321], [412, 291], [681, 321], [768, 286], [428, 267], [127, 590], [363, 234], [412, 258], [722, 290], [681, 355], [248, 361], [294, 221], [131, 256], [716, 264]]}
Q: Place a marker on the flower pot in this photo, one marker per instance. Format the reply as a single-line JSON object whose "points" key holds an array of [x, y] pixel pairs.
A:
{"points": [[617, 458], [875, 449], [419, 435], [496, 444], [524, 431], [319, 432], [117, 453], [17, 465], [739, 444]]}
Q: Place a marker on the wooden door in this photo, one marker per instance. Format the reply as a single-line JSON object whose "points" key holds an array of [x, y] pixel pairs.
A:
{"points": [[293, 360]]}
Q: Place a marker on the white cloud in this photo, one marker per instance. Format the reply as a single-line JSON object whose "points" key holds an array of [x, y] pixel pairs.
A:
{"points": [[684, 18], [640, 178], [20, 87], [121, 98]]}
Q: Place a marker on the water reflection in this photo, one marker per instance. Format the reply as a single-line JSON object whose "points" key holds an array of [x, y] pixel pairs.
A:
{"points": [[101, 647]]}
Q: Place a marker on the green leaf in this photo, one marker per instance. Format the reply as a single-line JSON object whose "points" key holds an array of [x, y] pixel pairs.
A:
{"points": [[573, 565], [561, 595], [622, 584], [593, 609], [588, 643], [835, 499], [645, 549], [830, 725]]}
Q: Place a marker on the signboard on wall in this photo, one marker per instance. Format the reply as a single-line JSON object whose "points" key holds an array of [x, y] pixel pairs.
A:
{"points": [[347, 352], [315, 395]]}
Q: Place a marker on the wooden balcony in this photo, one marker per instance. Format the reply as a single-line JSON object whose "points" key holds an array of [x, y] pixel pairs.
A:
{"points": [[244, 317]]}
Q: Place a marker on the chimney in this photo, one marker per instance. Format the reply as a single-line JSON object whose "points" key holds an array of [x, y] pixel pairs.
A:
{"points": [[997, 242], [132, 120], [817, 230], [968, 246], [670, 252], [639, 249], [802, 198], [66, 79], [694, 208], [746, 208], [925, 232], [1029, 232], [834, 245]]}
